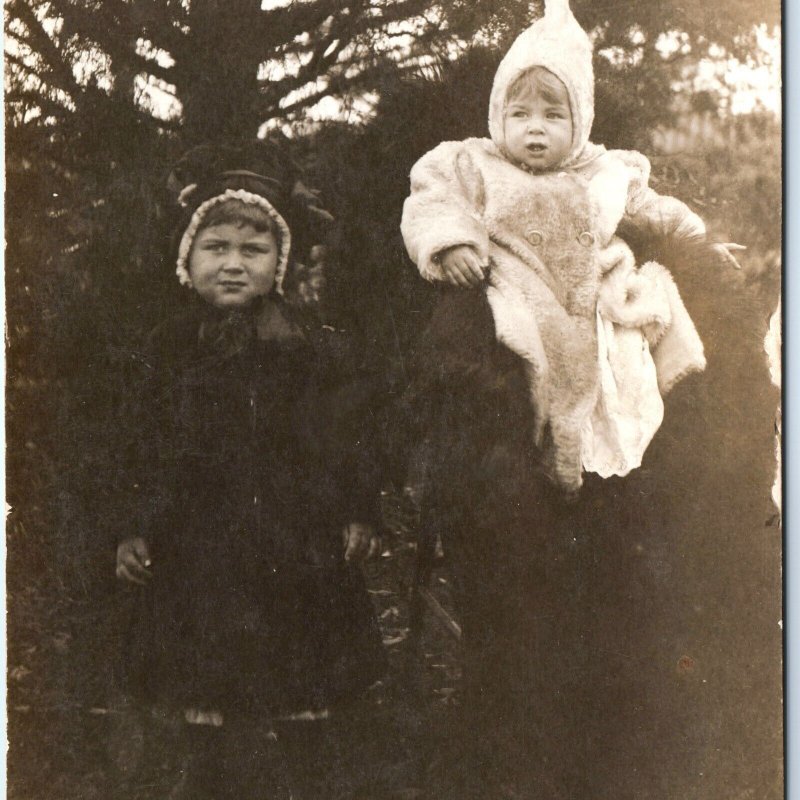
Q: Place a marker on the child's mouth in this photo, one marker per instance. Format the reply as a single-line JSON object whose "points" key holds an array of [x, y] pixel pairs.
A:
{"points": [[535, 148]]}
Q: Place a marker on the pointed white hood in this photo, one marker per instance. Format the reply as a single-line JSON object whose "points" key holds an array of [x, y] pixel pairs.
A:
{"points": [[558, 43]]}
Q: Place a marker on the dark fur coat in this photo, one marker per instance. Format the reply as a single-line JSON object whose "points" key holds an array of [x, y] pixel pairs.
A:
{"points": [[252, 455], [585, 622]]}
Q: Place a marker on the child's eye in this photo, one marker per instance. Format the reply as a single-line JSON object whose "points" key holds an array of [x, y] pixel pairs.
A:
{"points": [[214, 247], [555, 115], [256, 249]]}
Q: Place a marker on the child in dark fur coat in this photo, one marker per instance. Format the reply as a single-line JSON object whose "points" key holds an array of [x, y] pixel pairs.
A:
{"points": [[256, 490]]}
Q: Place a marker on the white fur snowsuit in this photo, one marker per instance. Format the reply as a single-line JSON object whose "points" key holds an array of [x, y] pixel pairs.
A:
{"points": [[561, 284]]}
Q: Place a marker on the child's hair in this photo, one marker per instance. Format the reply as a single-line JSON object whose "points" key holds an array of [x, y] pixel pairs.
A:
{"points": [[238, 213], [536, 79]]}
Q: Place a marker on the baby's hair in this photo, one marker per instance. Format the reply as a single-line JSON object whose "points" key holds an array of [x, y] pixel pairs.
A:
{"points": [[537, 79], [238, 213]]}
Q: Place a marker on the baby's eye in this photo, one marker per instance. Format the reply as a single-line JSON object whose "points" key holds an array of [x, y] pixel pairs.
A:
{"points": [[555, 115], [255, 249], [214, 247]]}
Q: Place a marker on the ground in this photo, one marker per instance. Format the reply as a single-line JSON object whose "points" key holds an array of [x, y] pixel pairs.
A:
{"points": [[73, 739]]}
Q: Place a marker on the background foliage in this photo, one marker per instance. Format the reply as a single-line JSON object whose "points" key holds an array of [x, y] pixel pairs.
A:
{"points": [[102, 97]]}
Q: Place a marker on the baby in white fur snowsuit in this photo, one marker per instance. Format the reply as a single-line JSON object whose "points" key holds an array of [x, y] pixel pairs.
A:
{"points": [[533, 213]]}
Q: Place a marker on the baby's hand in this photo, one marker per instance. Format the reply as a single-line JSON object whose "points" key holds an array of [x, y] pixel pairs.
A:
{"points": [[133, 560], [723, 250], [461, 266], [360, 541]]}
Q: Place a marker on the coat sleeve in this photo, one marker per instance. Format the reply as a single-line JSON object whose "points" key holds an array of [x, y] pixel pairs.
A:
{"points": [[666, 216], [652, 213], [443, 209], [146, 419]]}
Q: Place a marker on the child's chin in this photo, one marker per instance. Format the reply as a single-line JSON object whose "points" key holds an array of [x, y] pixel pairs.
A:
{"points": [[539, 164], [232, 302]]}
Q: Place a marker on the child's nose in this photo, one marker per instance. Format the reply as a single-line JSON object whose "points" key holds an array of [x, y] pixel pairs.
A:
{"points": [[232, 263]]}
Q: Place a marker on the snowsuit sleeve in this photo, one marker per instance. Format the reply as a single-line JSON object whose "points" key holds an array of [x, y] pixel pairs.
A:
{"points": [[444, 208], [653, 213]]}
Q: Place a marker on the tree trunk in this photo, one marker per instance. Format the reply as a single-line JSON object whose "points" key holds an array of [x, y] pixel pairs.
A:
{"points": [[218, 71]]}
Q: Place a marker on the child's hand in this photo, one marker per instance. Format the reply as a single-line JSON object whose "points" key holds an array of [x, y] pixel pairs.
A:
{"points": [[723, 250], [360, 541], [133, 560], [461, 266]]}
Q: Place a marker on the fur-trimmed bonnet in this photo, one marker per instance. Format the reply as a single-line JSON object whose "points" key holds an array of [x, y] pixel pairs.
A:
{"points": [[259, 174], [558, 43]]}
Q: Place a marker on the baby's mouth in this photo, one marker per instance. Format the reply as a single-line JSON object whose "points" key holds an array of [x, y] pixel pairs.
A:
{"points": [[535, 148]]}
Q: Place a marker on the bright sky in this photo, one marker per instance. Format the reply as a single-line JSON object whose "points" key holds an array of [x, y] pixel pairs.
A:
{"points": [[744, 86], [756, 82]]}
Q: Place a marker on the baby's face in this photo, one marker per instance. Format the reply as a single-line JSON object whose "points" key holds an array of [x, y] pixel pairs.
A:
{"points": [[230, 266], [538, 126]]}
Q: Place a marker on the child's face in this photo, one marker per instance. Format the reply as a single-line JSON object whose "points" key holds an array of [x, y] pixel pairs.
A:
{"points": [[230, 266], [538, 125]]}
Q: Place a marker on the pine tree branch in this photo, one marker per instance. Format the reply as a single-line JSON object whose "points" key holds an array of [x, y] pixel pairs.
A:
{"points": [[21, 64], [347, 35], [118, 39], [341, 85], [162, 28], [282, 25], [359, 24], [404, 58], [30, 99], [40, 43]]}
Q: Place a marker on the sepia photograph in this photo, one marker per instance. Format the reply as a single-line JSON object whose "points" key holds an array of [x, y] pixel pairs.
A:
{"points": [[393, 400]]}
